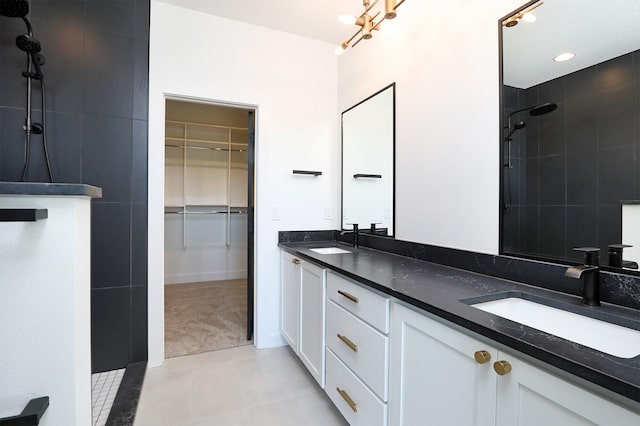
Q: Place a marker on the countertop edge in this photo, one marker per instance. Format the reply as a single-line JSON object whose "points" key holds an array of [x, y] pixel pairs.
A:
{"points": [[50, 189], [613, 384]]}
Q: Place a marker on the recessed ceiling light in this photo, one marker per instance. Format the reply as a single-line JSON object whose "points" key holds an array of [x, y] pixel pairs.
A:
{"points": [[529, 17], [564, 57]]}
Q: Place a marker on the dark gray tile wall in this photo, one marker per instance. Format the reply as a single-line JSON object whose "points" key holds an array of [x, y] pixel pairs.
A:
{"points": [[97, 96], [578, 162]]}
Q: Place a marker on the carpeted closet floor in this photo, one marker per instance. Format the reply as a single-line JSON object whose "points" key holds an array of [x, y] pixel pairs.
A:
{"points": [[204, 317]]}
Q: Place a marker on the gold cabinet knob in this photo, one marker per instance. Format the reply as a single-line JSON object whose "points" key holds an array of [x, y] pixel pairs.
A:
{"points": [[295, 261], [482, 357], [502, 367]]}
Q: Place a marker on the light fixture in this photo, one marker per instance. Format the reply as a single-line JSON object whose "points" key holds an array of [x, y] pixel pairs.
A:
{"points": [[524, 14], [564, 56], [366, 22]]}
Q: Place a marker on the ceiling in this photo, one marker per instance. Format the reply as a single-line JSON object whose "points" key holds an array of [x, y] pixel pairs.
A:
{"points": [[318, 20], [594, 30]]}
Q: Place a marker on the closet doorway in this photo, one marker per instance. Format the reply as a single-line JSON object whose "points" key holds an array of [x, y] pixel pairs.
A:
{"points": [[208, 245]]}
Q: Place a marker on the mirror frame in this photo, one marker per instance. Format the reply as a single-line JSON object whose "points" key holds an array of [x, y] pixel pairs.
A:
{"points": [[501, 199], [393, 165]]}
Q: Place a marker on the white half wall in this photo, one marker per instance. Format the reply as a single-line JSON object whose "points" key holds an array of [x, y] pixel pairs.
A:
{"points": [[444, 58], [291, 81]]}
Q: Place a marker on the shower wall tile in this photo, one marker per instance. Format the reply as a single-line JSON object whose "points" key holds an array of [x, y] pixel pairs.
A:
{"points": [[617, 167], [139, 159], [110, 244], [616, 72], [609, 226], [12, 62], [617, 115], [107, 149], [551, 91], [110, 328], [65, 145], [582, 83], [12, 144], [113, 16], [139, 322], [581, 116], [97, 96], [141, 23], [582, 177], [552, 179], [108, 75], [141, 79], [62, 46], [138, 244], [552, 231], [582, 229], [551, 132]]}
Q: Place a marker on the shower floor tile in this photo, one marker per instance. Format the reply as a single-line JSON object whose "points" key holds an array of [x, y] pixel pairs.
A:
{"points": [[104, 387]]}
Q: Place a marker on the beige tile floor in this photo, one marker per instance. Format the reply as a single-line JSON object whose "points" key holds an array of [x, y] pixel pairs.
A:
{"points": [[239, 386]]}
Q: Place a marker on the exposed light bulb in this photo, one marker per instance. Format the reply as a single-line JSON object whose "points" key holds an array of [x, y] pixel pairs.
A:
{"points": [[564, 57], [529, 17], [347, 19], [340, 49]]}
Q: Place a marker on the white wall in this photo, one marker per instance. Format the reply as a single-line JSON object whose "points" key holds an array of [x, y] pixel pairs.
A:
{"points": [[444, 58], [45, 309], [292, 82]]}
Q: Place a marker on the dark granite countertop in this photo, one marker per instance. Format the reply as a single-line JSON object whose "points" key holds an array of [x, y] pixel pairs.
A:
{"points": [[36, 188], [441, 290]]}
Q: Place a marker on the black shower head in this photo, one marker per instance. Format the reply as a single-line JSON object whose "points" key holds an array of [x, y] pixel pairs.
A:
{"points": [[28, 44], [14, 8], [543, 109]]}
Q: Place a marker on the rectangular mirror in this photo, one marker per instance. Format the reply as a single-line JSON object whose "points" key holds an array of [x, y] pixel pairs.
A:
{"points": [[570, 140], [368, 164]]}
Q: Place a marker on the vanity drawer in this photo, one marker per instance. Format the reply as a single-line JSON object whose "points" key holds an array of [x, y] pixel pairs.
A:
{"points": [[369, 306], [355, 401], [362, 348]]}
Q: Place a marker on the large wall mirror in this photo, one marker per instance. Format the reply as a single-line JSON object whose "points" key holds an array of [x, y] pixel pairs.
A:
{"points": [[570, 144], [368, 146]]}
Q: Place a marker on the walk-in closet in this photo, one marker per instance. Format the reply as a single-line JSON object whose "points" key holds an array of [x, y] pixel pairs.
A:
{"points": [[206, 227]]}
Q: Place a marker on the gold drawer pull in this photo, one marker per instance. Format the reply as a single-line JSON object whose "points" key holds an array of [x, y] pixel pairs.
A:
{"points": [[348, 296], [502, 367], [348, 400], [296, 261], [482, 357], [348, 342]]}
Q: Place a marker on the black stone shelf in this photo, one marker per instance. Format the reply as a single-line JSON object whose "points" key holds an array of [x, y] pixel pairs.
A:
{"points": [[36, 188], [23, 215], [445, 291]]}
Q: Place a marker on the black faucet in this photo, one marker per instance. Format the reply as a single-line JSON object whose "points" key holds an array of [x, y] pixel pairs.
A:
{"points": [[615, 257], [589, 273], [354, 232]]}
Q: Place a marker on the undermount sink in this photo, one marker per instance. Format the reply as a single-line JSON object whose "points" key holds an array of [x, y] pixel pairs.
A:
{"points": [[329, 250], [603, 336]]}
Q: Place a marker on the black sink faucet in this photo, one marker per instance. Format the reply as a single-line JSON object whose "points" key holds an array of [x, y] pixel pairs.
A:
{"points": [[354, 232], [589, 273], [615, 257]]}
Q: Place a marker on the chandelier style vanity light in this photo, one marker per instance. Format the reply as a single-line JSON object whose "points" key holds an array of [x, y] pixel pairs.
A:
{"points": [[366, 22]]}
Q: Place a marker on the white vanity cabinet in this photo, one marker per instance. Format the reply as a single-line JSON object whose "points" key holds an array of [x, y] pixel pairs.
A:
{"points": [[440, 375], [302, 313], [357, 351]]}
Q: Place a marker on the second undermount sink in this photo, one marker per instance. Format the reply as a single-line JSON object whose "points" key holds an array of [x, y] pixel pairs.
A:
{"points": [[606, 337], [329, 250]]}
